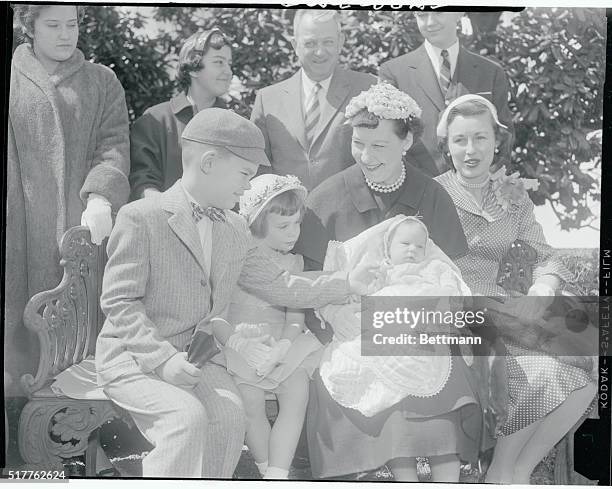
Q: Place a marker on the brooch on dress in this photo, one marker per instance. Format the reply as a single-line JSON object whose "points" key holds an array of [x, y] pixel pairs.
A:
{"points": [[511, 189]]}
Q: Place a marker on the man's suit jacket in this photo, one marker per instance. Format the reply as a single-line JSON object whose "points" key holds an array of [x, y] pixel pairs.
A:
{"points": [[278, 113], [156, 288], [413, 73]]}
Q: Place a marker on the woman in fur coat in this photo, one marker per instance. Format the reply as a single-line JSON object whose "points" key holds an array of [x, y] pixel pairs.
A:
{"points": [[68, 160]]}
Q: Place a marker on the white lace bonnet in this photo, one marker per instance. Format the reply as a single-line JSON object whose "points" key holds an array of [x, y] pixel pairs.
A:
{"points": [[263, 189]]}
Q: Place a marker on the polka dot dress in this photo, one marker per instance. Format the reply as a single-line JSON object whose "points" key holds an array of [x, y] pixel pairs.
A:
{"points": [[537, 383]]}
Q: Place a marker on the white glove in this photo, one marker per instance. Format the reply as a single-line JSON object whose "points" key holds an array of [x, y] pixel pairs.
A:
{"points": [[149, 192], [541, 289], [97, 217], [253, 350], [277, 353]]}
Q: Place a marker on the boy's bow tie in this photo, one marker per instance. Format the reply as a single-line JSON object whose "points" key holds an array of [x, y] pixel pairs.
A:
{"points": [[213, 213]]}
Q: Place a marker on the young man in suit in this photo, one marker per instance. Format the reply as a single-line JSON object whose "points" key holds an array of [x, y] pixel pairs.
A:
{"points": [[174, 260], [302, 118], [204, 76], [441, 70]]}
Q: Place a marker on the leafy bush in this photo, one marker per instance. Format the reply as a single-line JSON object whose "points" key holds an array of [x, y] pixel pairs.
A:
{"points": [[555, 62], [108, 36]]}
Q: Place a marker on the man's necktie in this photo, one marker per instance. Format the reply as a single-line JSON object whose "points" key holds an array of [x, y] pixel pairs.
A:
{"points": [[213, 213], [313, 112], [445, 72]]}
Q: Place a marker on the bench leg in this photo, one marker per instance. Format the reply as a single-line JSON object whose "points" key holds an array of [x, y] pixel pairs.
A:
{"points": [[564, 460], [51, 430], [91, 454]]}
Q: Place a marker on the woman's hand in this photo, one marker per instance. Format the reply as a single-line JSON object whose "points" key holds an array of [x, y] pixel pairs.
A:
{"points": [[97, 217]]}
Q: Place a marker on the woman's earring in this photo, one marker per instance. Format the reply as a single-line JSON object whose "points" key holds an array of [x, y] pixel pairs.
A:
{"points": [[496, 150]]}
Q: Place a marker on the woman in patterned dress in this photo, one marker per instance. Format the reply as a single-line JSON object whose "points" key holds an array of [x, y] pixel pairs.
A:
{"points": [[546, 397]]}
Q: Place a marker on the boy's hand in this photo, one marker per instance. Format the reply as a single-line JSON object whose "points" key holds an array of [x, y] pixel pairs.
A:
{"points": [[363, 277], [178, 371]]}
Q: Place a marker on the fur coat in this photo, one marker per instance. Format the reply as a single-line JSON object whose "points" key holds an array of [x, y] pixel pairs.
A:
{"points": [[67, 137]]}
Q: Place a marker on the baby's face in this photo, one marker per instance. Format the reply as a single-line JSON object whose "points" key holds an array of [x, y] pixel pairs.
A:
{"points": [[407, 244]]}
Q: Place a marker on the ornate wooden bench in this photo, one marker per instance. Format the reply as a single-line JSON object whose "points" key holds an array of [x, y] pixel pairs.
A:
{"points": [[66, 320]]}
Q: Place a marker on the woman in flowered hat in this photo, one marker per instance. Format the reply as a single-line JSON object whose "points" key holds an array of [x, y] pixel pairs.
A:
{"points": [[270, 349], [545, 397], [379, 186]]}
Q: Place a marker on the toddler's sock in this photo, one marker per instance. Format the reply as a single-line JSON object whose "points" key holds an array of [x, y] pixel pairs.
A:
{"points": [[276, 473], [262, 467]]}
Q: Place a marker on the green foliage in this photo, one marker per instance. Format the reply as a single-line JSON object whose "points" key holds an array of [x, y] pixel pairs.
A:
{"points": [[373, 37], [584, 267], [109, 36], [555, 62]]}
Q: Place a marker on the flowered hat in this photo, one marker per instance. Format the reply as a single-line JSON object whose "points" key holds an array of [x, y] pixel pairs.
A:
{"points": [[385, 101], [263, 189], [442, 129]]}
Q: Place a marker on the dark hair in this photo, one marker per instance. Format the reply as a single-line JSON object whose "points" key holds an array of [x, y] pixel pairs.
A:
{"points": [[285, 204], [26, 15], [468, 109], [401, 127], [194, 49]]}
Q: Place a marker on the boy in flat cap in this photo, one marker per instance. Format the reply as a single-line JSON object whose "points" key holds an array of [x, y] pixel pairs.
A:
{"points": [[174, 260]]}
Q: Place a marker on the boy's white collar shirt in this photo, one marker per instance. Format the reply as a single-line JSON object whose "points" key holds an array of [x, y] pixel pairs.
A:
{"points": [[435, 56], [204, 227]]}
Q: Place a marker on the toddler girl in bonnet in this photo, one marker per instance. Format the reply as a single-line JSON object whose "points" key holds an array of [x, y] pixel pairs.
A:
{"points": [[273, 208]]}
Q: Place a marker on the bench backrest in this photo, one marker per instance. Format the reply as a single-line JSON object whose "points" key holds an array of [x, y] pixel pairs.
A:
{"points": [[68, 318]]}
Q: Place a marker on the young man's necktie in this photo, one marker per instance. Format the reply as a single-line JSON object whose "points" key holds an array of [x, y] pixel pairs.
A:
{"points": [[445, 72], [312, 114]]}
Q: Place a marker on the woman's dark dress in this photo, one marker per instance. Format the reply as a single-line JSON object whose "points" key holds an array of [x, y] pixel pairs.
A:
{"points": [[341, 440]]}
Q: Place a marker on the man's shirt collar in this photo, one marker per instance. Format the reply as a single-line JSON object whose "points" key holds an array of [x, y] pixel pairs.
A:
{"points": [[435, 55]]}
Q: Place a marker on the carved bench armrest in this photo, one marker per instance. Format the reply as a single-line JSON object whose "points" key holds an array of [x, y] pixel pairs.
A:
{"points": [[516, 268], [66, 318]]}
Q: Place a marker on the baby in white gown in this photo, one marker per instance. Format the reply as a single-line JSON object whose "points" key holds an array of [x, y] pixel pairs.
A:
{"points": [[411, 265]]}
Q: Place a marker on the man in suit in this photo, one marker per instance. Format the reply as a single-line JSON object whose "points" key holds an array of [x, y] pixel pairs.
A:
{"points": [[441, 70], [174, 260], [302, 118]]}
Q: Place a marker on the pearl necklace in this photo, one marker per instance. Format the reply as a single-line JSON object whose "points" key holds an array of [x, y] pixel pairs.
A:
{"points": [[466, 184], [386, 189]]}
